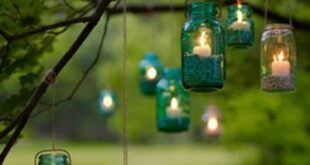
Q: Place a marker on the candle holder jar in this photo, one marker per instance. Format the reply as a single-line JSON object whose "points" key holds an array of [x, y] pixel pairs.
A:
{"points": [[278, 58], [106, 102], [202, 46], [150, 73], [173, 103], [53, 157], [239, 26]]}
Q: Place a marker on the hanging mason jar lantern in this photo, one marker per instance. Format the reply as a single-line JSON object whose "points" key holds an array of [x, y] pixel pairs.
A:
{"points": [[203, 49], [278, 58], [107, 102], [173, 107], [150, 73], [212, 122], [239, 26], [53, 157]]}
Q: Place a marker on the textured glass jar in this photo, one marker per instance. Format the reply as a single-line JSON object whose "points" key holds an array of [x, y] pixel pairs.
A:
{"points": [[212, 122], [173, 103], [239, 26], [107, 102], [278, 58], [203, 49], [53, 159], [150, 73]]}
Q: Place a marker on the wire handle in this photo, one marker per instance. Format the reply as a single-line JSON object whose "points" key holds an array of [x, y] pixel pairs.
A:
{"points": [[290, 4], [52, 151]]}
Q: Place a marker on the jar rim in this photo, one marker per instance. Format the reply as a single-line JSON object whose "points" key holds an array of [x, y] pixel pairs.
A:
{"points": [[278, 26], [241, 6]]}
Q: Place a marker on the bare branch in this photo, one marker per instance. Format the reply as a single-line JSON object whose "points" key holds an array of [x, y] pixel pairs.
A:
{"points": [[41, 89]]}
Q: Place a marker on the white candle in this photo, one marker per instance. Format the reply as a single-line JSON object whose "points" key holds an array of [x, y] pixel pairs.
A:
{"points": [[204, 48], [213, 124], [240, 24], [174, 110], [151, 73], [279, 66], [108, 102]]}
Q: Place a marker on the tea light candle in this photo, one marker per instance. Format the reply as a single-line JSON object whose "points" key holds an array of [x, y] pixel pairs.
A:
{"points": [[240, 24], [204, 48], [107, 102], [279, 66], [151, 73], [213, 124], [174, 110]]}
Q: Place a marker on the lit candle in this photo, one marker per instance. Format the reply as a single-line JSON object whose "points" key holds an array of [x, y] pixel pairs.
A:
{"points": [[279, 66], [204, 48], [174, 110], [107, 102], [151, 73], [240, 24], [213, 124]]}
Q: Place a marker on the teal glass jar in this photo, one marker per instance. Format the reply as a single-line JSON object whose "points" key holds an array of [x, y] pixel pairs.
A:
{"points": [[239, 26], [107, 102], [203, 49], [150, 73], [53, 159], [173, 103]]}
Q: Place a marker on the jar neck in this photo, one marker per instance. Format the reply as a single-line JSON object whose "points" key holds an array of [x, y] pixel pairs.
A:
{"points": [[200, 10], [245, 10]]}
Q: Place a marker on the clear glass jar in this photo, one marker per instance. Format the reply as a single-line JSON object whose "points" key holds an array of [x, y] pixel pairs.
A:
{"points": [[278, 58], [173, 103], [107, 102], [150, 73], [203, 49], [239, 26]]}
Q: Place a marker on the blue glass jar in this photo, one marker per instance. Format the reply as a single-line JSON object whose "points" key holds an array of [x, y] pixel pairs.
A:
{"points": [[173, 103], [106, 102], [150, 73], [203, 49], [240, 26], [53, 159]]}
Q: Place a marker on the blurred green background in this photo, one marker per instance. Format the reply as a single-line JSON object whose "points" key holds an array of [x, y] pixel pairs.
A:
{"points": [[259, 127]]}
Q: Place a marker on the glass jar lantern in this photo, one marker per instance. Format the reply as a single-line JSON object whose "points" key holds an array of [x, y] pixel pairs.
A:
{"points": [[212, 122], [203, 49], [53, 157], [173, 103], [107, 102], [278, 58], [150, 73], [239, 26]]}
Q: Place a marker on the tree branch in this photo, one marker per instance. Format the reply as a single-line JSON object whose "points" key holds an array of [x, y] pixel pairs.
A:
{"points": [[162, 8], [39, 92]]}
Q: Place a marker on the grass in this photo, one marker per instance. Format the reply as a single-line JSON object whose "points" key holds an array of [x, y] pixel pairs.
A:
{"points": [[168, 154]]}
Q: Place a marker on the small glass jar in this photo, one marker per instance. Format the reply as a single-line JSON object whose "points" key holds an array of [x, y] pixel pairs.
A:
{"points": [[278, 58], [107, 102], [150, 73], [203, 49], [212, 122], [53, 159], [239, 26], [173, 103]]}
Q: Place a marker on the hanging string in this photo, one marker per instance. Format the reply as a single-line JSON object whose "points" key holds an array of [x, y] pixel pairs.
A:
{"points": [[290, 4], [266, 12], [53, 116], [125, 108], [186, 8], [171, 30]]}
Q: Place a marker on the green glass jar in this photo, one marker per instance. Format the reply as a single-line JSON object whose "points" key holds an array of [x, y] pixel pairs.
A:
{"points": [[203, 49], [150, 73], [239, 26], [173, 103], [53, 159], [106, 102]]}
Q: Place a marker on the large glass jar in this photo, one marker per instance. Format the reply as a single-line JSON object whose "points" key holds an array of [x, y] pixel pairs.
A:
{"points": [[150, 73], [107, 102], [173, 103], [53, 159], [203, 49], [278, 58], [239, 26]]}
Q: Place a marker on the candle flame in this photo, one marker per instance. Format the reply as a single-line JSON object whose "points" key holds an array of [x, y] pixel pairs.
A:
{"points": [[212, 124], [280, 57], [107, 101], [174, 103], [239, 16], [202, 39], [151, 73]]}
